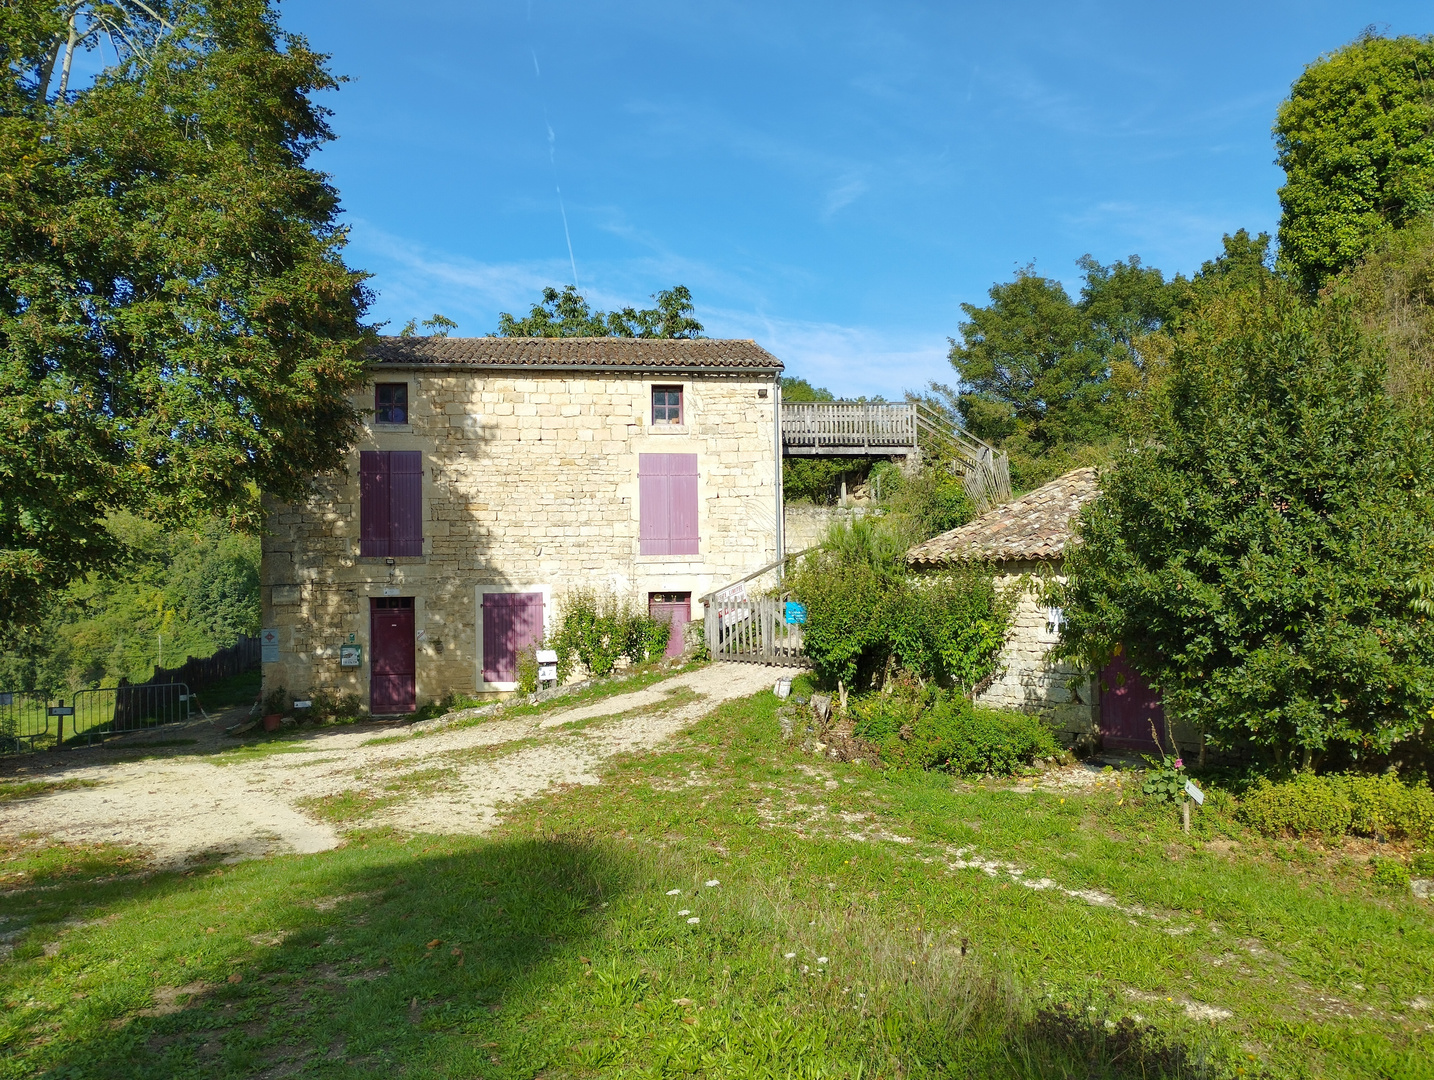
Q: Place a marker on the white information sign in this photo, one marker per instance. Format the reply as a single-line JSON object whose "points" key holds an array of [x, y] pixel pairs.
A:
{"points": [[1194, 792]]}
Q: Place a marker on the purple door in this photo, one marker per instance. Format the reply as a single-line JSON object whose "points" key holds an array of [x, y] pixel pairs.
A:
{"points": [[1128, 708], [511, 623], [675, 609], [391, 675]]}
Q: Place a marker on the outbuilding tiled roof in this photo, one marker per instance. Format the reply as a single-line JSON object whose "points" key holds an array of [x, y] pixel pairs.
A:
{"points": [[675, 354], [1038, 525]]}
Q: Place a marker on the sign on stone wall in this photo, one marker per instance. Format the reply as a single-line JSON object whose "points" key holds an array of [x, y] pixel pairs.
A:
{"points": [[269, 646]]}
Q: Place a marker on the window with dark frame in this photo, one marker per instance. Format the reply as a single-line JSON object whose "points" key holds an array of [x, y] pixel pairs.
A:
{"points": [[667, 404], [390, 402]]}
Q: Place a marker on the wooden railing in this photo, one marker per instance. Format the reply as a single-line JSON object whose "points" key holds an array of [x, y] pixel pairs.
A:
{"points": [[847, 427]]}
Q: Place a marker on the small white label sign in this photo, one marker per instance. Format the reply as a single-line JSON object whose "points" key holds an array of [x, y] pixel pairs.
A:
{"points": [[1194, 792]]}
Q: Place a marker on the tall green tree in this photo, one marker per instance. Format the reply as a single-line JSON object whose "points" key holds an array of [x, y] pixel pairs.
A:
{"points": [[1264, 554], [568, 314], [1356, 141], [1050, 378], [178, 330]]}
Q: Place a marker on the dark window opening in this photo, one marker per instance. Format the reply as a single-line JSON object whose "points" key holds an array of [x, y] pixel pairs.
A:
{"points": [[667, 404], [391, 402], [393, 602]]}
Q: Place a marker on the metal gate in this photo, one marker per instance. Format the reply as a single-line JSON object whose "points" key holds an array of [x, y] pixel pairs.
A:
{"points": [[764, 631], [29, 723]]}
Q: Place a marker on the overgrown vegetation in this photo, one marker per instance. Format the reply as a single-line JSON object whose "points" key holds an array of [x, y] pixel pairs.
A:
{"points": [[867, 617], [915, 727]]}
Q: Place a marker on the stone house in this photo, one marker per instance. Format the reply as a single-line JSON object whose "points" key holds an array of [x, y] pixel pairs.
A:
{"points": [[1028, 536], [493, 476]]}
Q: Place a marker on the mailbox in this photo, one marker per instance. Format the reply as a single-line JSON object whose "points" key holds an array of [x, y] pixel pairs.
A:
{"points": [[547, 665]]}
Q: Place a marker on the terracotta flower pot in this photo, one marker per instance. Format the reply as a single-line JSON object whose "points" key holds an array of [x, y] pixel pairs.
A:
{"points": [[271, 722]]}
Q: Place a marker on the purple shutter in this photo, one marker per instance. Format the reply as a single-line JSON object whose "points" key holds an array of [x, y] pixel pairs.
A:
{"points": [[511, 623], [405, 500], [373, 503], [667, 504]]}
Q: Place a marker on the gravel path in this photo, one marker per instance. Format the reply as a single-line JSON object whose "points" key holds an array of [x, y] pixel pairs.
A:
{"points": [[180, 804]]}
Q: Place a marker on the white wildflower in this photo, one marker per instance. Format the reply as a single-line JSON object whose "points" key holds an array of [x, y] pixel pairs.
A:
{"points": [[789, 956], [693, 921], [712, 884], [821, 959], [685, 911], [673, 892]]}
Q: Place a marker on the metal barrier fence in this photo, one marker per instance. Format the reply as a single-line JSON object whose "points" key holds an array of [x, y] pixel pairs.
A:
{"points": [[764, 631], [30, 723]]}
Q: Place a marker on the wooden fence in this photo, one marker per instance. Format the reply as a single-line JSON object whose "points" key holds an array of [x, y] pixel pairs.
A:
{"points": [[753, 631], [200, 671]]}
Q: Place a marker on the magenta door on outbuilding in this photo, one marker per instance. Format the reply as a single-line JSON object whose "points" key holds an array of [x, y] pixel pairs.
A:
{"points": [[511, 623], [392, 686], [675, 609], [1129, 708]]}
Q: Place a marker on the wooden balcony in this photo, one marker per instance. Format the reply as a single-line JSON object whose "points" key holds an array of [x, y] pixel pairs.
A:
{"points": [[854, 428]]}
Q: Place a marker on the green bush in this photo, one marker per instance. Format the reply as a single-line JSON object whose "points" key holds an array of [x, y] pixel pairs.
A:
{"points": [[598, 630], [945, 732], [1308, 805], [1384, 806], [1423, 863], [1330, 806], [867, 615], [527, 665]]}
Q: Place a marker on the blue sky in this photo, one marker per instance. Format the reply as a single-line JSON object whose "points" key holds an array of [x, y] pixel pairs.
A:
{"points": [[831, 179]]}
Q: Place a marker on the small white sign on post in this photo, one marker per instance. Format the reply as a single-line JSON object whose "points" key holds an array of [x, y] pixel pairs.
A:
{"points": [[547, 665], [1194, 792]]}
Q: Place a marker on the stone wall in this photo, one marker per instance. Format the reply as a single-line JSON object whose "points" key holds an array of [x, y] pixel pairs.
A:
{"points": [[1061, 693], [530, 484], [807, 524]]}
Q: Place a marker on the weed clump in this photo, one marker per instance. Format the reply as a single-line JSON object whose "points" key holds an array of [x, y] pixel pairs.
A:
{"points": [[925, 728]]}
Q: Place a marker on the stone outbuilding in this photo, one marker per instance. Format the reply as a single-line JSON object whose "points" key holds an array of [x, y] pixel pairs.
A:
{"points": [[494, 476], [1028, 536]]}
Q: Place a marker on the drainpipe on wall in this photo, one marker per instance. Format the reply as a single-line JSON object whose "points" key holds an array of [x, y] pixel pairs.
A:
{"points": [[777, 436]]}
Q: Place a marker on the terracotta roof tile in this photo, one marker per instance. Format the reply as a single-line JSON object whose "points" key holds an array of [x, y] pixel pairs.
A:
{"points": [[1036, 526], [676, 354]]}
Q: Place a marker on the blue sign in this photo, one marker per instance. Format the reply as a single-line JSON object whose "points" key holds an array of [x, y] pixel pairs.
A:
{"points": [[796, 613]]}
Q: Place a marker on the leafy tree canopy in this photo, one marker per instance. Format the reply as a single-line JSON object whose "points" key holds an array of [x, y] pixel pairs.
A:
{"points": [[1356, 141], [1264, 554], [178, 330], [567, 314], [177, 593], [1043, 374], [1393, 290]]}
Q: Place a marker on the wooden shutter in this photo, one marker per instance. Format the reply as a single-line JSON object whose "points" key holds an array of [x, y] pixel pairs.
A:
{"points": [[390, 503], [373, 503], [667, 504], [405, 500], [511, 623]]}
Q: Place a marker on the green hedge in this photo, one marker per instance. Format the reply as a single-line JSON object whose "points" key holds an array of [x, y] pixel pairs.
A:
{"points": [[946, 732], [1330, 806]]}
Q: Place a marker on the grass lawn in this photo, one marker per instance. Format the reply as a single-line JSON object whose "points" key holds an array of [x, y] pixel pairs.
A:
{"points": [[731, 907]]}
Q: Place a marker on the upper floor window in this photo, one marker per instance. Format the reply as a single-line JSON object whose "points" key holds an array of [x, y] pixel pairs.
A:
{"points": [[667, 404], [391, 402]]}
